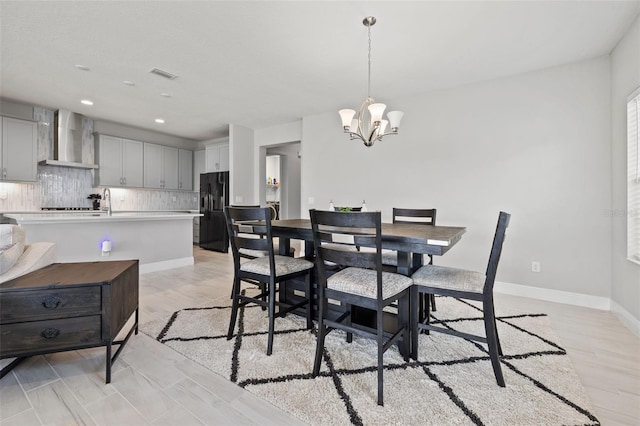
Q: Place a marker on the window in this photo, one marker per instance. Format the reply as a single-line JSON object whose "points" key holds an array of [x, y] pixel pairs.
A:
{"points": [[633, 178]]}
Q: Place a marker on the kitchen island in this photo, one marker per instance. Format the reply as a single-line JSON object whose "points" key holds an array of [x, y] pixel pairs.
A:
{"points": [[159, 240]]}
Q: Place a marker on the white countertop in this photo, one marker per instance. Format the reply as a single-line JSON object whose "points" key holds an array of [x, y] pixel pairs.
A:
{"points": [[96, 216]]}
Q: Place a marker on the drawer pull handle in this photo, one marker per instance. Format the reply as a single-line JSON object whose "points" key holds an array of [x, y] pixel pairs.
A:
{"points": [[51, 302], [50, 333]]}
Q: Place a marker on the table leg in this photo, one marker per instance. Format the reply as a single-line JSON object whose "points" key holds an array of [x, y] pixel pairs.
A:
{"points": [[404, 263], [309, 251], [108, 373], [7, 368], [285, 246]]}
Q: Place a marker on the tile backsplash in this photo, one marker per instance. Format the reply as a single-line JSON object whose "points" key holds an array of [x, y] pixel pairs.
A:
{"points": [[68, 187]]}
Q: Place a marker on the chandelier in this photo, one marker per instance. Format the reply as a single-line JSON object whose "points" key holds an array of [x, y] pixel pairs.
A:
{"points": [[369, 126]]}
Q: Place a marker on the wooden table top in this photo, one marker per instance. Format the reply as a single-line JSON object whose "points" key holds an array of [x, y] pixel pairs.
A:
{"points": [[416, 238], [67, 274]]}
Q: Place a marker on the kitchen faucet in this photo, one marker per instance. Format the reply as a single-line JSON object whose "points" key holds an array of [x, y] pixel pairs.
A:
{"points": [[107, 195]]}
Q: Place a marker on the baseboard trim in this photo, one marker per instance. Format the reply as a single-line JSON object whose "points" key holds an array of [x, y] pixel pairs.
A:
{"points": [[166, 264], [558, 296], [626, 318]]}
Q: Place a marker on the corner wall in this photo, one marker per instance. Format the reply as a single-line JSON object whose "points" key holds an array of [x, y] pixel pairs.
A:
{"points": [[625, 78], [241, 165]]}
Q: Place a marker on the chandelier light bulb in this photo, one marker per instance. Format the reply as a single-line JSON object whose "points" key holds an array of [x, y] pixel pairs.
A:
{"points": [[383, 126], [346, 115], [394, 119], [376, 111]]}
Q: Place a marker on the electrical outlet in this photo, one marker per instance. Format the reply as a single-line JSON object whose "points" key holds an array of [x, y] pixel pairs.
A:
{"points": [[535, 266], [173, 199], [311, 201]]}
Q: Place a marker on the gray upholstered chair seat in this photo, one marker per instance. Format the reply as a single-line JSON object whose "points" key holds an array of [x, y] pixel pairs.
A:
{"points": [[449, 278], [285, 265], [363, 282]]}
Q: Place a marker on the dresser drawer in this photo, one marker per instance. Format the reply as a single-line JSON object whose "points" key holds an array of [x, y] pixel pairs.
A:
{"points": [[50, 335], [34, 305]]}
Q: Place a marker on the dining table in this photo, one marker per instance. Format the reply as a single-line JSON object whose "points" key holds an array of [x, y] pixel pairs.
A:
{"points": [[411, 241]]}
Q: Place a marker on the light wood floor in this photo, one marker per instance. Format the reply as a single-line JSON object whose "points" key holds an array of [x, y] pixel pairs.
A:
{"points": [[152, 384]]}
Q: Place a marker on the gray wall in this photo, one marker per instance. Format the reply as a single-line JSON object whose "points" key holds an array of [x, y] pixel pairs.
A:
{"points": [[536, 145], [625, 78], [241, 165]]}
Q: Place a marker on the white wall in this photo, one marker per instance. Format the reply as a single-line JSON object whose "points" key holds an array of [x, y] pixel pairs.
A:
{"points": [[625, 78], [535, 145], [199, 167], [241, 165], [271, 137]]}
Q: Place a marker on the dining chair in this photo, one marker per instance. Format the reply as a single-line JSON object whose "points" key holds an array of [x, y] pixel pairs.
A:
{"points": [[252, 254], [361, 283], [463, 284], [425, 217], [250, 228]]}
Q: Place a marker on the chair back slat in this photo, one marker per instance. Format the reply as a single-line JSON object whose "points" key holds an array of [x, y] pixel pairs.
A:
{"points": [[355, 258], [414, 216], [496, 251], [251, 243]]}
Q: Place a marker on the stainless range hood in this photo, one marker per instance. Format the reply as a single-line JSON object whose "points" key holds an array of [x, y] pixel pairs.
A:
{"points": [[67, 142]]}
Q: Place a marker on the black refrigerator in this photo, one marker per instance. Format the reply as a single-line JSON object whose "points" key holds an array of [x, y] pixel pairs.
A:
{"points": [[214, 195]]}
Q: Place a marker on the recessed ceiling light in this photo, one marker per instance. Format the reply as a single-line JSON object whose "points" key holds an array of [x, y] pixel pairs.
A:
{"points": [[83, 67], [166, 95], [160, 120], [86, 102], [128, 83]]}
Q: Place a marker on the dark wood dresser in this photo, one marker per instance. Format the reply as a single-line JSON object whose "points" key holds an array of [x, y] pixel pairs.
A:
{"points": [[68, 306]]}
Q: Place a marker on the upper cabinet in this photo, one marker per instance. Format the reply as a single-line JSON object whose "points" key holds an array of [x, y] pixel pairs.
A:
{"points": [[185, 170], [18, 150], [128, 163], [160, 166], [120, 162], [217, 158]]}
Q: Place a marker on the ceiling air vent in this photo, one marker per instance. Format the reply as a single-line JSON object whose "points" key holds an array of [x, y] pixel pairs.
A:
{"points": [[163, 73]]}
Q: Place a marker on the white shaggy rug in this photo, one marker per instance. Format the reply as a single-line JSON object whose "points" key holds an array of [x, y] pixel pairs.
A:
{"points": [[452, 383]]}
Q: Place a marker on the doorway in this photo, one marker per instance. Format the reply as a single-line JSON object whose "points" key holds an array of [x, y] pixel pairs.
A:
{"points": [[280, 186]]}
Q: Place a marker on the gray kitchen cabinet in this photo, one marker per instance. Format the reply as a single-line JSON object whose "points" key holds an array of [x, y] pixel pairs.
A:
{"points": [[217, 158], [18, 150], [185, 170], [120, 162], [160, 166]]}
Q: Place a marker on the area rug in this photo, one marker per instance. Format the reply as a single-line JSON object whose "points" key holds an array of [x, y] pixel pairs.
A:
{"points": [[452, 383]]}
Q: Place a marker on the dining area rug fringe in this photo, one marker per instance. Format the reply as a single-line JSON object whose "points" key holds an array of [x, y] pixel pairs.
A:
{"points": [[451, 383]]}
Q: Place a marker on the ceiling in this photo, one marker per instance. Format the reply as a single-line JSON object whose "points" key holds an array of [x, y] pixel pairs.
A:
{"points": [[262, 63]]}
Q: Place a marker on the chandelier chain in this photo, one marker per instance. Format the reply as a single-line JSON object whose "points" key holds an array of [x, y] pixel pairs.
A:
{"points": [[369, 74]]}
